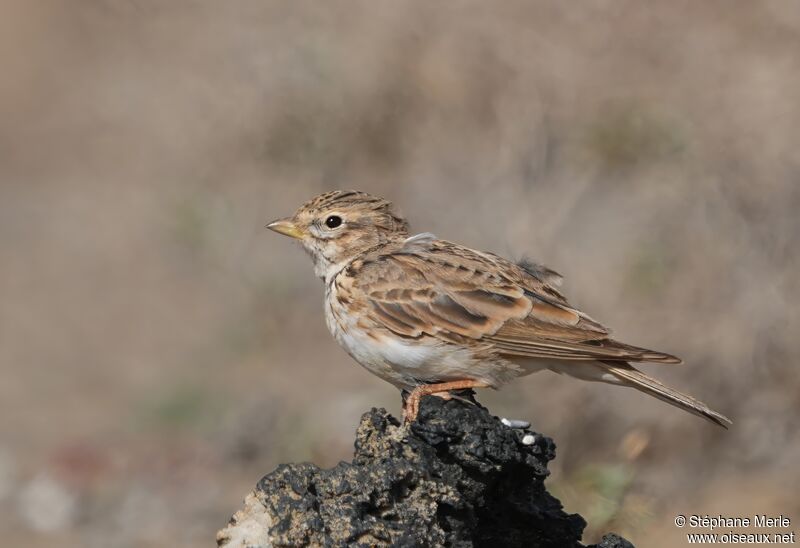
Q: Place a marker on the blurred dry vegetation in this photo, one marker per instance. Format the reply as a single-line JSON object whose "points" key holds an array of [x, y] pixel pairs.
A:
{"points": [[159, 350]]}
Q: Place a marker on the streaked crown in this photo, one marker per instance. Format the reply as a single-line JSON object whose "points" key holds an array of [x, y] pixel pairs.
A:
{"points": [[361, 206]]}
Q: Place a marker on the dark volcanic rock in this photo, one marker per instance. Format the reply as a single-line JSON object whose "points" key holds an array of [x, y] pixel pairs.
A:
{"points": [[457, 477], [612, 541]]}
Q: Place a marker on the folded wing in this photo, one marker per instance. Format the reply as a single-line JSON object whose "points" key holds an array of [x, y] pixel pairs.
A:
{"points": [[456, 294]]}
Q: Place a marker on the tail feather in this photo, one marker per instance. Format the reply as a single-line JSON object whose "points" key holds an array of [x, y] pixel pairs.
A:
{"points": [[635, 378]]}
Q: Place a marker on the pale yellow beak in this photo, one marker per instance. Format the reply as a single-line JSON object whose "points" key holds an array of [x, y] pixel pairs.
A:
{"points": [[287, 228]]}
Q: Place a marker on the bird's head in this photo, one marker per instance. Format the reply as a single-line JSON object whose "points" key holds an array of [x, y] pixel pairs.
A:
{"points": [[338, 226]]}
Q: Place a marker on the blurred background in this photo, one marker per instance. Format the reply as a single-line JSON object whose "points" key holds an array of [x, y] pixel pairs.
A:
{"points": [[160, 350]]}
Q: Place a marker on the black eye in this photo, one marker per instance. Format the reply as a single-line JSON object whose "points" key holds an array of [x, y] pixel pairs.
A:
{"points": [[333, 221]]}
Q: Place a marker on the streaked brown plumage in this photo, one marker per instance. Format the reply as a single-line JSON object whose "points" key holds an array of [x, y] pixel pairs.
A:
{"points": [[430, 316]]}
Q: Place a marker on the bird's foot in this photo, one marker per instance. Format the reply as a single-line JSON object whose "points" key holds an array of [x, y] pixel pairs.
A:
{"points": [[442, 390]]}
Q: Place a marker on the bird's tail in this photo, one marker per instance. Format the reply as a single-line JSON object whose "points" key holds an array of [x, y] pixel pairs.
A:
{"points": [[635, 378]]}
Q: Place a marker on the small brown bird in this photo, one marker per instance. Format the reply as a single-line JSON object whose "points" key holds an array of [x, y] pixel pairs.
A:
{"points": [[430, 316]]}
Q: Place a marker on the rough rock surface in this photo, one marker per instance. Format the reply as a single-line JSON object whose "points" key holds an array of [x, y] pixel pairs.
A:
{"points": [[457, 477]]}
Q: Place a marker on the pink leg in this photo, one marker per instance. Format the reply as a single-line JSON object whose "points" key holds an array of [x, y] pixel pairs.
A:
{"points": [[411, 407]]}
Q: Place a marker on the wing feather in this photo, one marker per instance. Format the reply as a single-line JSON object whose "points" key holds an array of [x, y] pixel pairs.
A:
{"points": [[439, 289]]}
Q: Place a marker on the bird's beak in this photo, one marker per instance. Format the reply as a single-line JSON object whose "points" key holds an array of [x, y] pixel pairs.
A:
{"points": [[287, 228]]}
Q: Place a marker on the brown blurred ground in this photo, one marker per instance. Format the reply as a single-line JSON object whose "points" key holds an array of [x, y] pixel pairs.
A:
{"points": [[159, 350]]}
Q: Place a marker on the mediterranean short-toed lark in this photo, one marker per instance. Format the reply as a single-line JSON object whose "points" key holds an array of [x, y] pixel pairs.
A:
{"points": [[430, 316]]}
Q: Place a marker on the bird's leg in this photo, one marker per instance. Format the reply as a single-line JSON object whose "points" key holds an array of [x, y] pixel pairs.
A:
{"points": [[411, 405]]}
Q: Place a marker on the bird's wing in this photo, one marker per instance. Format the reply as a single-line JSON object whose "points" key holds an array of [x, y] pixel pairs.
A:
{"points": [[454, 293]]}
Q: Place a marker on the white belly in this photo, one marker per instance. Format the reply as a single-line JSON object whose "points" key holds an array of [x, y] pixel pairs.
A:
{"points": [[409, 362], [390, 358]]}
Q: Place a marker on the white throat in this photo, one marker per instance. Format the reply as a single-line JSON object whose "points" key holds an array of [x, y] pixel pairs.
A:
{"points": [[328, 271]]}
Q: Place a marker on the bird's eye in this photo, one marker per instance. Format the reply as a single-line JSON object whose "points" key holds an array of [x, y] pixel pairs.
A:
{"points": [[333, 221]]}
